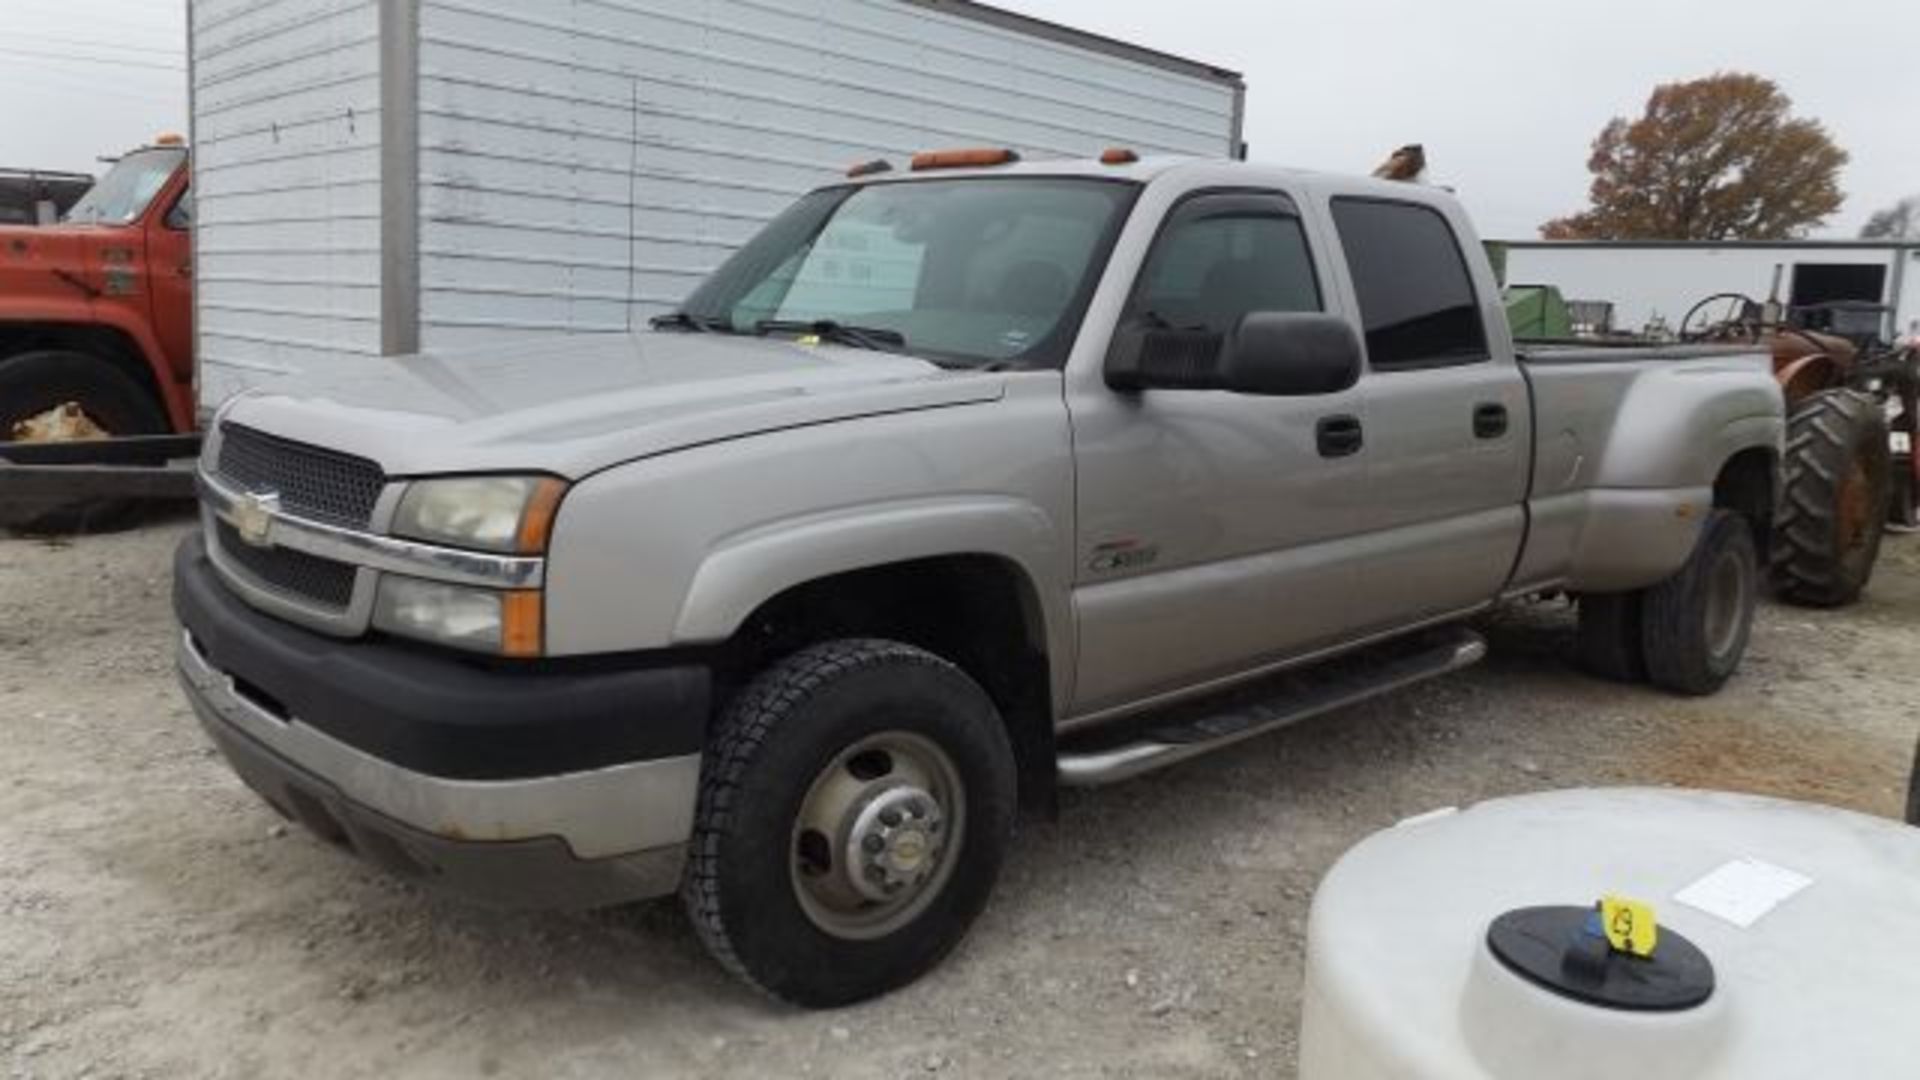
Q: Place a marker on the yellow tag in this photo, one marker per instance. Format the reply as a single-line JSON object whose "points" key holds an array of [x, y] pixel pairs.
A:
{"points": [[807, 339], [1629, 925]]}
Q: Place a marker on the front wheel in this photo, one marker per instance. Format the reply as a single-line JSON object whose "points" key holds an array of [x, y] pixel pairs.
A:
{"points": [[1694, 626], [57, 396], [854, 811]]}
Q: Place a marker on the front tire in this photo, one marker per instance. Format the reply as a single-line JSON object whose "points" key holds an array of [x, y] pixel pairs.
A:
{"points": [[854, 811], [68, 396], [1696, 624]]}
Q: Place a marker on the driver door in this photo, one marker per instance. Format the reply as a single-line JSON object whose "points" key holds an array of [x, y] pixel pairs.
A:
{"points": [[1215, 528]]}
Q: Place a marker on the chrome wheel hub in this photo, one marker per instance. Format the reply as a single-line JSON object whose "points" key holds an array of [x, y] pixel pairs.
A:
{"points": [[874, 840], [896, 842]]}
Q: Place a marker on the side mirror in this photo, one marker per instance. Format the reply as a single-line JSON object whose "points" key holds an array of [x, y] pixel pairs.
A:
{"points": [[1274, 353]]}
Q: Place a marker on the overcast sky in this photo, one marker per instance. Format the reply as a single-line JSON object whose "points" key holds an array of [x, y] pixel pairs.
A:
{"points": [[1505, 94]]}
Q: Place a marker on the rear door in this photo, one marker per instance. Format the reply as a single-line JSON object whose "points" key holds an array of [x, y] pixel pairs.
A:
{"points": [[1448, 424]]}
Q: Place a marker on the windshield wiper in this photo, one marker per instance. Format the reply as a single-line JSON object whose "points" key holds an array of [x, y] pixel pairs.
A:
{"points": [[860, 337], [684, 320]]}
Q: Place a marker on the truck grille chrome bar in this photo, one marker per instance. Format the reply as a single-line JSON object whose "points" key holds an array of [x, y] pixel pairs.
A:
{"points": [[280, 529], [312, 482]]}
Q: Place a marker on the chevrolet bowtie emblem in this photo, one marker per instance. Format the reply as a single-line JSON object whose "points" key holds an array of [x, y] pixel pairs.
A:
{"points": [[253, 517]]}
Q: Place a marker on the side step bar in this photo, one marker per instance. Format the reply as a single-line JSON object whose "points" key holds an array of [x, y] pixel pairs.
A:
{"points": [[1333, 685]]}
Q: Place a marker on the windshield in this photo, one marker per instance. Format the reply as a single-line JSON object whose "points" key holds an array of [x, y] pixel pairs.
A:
{"points": [[123, 194], [969, 271]]}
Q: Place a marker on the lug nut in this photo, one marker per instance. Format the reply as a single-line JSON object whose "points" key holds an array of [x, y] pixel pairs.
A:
{"points": [[873, 844], [917, 808], [889, 817], [875, 873]]}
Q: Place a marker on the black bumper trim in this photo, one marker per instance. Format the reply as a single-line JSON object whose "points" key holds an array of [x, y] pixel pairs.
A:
{"points": [[538, 873], [436, 714]]}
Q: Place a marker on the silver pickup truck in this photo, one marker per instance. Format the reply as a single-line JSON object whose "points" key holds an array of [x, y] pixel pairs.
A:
{"points": [[958, 483]]}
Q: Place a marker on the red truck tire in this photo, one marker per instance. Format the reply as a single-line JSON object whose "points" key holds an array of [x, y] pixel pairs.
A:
{"points": [[35, 385]]}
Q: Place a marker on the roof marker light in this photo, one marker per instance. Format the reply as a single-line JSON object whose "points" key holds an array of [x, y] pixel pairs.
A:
{"points": [[1118, 155], [869, 168], [962, 159]]}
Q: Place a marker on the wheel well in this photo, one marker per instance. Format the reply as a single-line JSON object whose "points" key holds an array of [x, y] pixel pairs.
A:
{"points": [[1749, 485], [102, 342], [978, 612]]}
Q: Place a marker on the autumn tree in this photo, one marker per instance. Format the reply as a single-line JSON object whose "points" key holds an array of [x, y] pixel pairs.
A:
{"points": [[1720, 158], [1901, 221]]}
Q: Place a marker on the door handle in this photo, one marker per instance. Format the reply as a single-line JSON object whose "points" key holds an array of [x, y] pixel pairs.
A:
{"points": [[1489, 421], [1339, 436]]}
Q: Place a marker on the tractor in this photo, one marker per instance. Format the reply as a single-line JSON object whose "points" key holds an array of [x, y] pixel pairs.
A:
{"points": [[1853, 401]]}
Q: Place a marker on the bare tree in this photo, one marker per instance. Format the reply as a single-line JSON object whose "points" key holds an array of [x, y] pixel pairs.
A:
{"points": [[1901, 221]]}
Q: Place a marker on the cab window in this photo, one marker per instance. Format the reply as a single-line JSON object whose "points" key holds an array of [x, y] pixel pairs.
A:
{"points": [[1222, 256], [1416, 298]]}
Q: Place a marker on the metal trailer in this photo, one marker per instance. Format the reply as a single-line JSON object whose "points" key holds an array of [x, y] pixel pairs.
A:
{"points": [[1654, 283], [387, 177], [395, 176], [39, 196]]}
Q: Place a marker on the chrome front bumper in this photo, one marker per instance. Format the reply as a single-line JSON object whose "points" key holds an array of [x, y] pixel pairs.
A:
{"points": [[577, 839]]}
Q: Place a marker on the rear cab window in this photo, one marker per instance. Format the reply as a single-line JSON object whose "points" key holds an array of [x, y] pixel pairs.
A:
{"points": [[1416, 296]]}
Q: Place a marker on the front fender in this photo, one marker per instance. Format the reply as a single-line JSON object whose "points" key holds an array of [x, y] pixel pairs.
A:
{"points": [[176, 398], [753, 568]]}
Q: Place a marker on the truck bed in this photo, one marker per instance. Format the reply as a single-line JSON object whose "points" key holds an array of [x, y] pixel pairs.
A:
{"points": [[1583, 351], [1622, 436]]}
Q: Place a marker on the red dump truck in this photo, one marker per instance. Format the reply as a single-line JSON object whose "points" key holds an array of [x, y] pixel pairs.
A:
{"points": [[96, 334]]}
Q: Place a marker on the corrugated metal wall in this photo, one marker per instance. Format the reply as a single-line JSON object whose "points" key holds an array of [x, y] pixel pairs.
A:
{"points": [[287, 185], [583, 165]]}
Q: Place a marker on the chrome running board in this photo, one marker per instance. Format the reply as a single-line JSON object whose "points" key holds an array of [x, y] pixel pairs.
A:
{"points": [[1310, 692]]}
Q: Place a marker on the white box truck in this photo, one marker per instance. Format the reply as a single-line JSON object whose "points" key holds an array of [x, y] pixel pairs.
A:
{"points": [[395, 176]]}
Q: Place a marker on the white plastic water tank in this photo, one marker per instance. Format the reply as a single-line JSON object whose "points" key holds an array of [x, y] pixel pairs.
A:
{"points": [[1809, 915]]}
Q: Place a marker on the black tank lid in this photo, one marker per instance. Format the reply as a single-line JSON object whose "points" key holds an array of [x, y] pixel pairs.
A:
{"points": [[1559, 949]]}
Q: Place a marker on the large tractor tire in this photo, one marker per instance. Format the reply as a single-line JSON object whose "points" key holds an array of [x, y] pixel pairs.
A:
{"points": [[57, 396], [1833, 513]]}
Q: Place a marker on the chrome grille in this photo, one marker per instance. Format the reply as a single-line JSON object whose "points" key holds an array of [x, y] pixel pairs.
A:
{"points": [[321, 485], [294, 574]]}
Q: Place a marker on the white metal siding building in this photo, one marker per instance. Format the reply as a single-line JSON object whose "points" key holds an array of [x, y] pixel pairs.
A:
{"points": [[385, 176], [1654, 282]]}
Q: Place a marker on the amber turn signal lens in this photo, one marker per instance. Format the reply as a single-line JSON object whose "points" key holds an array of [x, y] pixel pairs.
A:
{"points": [[536, 521], [523, 624], [962, 159], [1119, 155]]}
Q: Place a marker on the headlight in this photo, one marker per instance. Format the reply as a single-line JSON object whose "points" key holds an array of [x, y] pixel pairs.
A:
{"points": [[506, 514], [479, 620]]}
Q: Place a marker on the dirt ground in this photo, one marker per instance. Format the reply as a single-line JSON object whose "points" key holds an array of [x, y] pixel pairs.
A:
{"points": [[157, 921]]}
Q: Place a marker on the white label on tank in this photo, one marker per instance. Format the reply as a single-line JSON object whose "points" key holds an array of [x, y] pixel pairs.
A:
{"points": [[1743, 891]]}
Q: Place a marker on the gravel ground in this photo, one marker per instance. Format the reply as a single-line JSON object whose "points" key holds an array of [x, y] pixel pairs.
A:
{"points": [[156, 920]]}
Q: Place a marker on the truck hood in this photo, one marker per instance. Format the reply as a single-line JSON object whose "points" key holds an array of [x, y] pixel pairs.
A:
{"points": [[30, 254], [575, 405]]}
